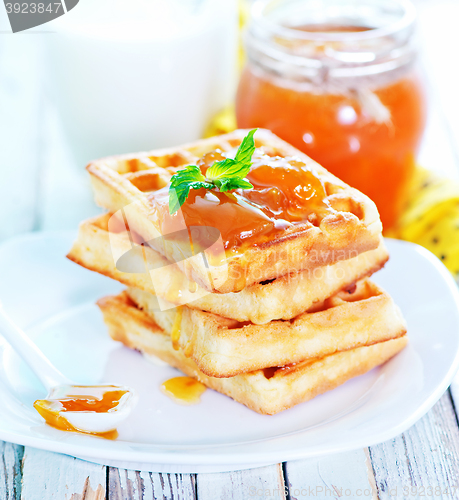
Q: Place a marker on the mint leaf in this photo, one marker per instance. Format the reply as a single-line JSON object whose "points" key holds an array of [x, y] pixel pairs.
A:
{"points": [[226, 175], [181, 183], [179, 194], [190, 173], [246, 149], [227, 168], [177, 197], [240, 166], [233, 183]]}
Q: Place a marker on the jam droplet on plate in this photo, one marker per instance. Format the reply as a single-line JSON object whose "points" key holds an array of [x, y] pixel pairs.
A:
{"points": [[183, 390]]}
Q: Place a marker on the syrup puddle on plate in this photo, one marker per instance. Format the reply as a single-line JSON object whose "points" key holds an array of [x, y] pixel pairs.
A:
{"points": [[183, 390]]}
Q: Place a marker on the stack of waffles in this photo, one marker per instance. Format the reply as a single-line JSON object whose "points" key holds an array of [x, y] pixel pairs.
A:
{"points": [[255, 294]]}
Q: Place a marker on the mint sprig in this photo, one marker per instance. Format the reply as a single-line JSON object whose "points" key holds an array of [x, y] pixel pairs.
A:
{"points": [[226, 175]]}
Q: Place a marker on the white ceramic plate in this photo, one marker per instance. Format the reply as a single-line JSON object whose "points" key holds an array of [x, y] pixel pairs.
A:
{"points": [[54, 299]]}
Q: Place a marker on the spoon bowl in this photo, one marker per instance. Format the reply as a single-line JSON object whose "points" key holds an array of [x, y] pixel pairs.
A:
{"points": [[94, 409]]}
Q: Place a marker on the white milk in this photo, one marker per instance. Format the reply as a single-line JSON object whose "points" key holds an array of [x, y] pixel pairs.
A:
{"points": [[132, 75]]}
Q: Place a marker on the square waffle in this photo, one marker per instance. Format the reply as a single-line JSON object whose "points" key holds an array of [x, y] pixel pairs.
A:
{"points": [[221, 347], [282, 298], [267, 391], [132, 186]]}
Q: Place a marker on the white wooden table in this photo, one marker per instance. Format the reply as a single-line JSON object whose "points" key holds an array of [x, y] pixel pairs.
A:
{"points": [[42, 189]]}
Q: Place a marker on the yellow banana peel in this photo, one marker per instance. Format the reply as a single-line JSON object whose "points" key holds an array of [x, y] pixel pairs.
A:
{"points": [[222, 123], [431, 218]]}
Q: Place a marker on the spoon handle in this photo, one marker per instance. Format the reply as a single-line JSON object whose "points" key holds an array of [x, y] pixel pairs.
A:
{"points": [[49, 375]]}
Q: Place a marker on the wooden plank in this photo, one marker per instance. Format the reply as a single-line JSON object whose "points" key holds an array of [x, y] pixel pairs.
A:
{"points": [[137, 485], [422, 462], [347, 475], [47, 476], [10, 470], [454, 391], [264, 482]]}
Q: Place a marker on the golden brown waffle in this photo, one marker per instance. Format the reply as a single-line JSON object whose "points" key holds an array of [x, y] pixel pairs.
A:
{"points": [[266, 391], [222, 347], [353, 226], [282, 298]]}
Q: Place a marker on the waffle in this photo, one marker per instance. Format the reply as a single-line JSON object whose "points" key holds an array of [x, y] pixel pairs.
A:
{"points": [[282, 298], [266, 391], [224, 348], [124, 185]]}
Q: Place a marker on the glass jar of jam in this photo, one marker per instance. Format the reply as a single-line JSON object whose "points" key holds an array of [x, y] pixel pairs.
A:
{"points": [[336, 78]]}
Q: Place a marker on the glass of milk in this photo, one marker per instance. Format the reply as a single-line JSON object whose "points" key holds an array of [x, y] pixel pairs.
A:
{"points": [[134, 75]]}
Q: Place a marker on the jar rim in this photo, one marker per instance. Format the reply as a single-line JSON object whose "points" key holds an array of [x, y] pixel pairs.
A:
{"points": [[406, 20]]}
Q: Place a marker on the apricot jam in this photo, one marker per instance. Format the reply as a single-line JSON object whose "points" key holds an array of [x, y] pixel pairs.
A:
{"points": [[377, 159], [345, 94], [183, 390], [286, 192], [53, 410]]}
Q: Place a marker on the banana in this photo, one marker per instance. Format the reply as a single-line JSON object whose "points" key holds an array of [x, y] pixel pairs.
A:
{"points": [[432, 217], [222, 123]]}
